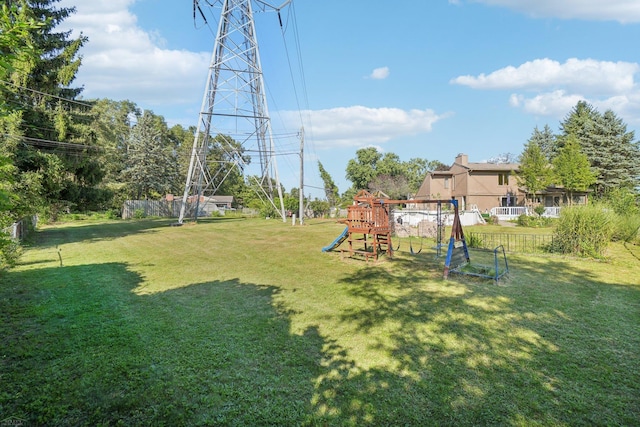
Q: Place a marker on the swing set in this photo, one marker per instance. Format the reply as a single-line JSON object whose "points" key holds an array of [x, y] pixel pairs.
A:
{"points": [[437, 233], [369, 229]]}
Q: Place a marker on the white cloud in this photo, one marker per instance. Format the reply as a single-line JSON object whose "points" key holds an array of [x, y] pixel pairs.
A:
{"points": [[624, 11], [585, 74], [122, 61], [556, 104], [360, 126], [554, 88], [379, 73]]}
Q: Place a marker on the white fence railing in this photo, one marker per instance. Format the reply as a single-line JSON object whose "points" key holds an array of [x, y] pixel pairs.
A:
{"points": [[552, 211], [513, 212], [509, 212]]}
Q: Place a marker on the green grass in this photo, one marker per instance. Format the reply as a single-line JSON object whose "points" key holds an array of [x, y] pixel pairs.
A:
{"points": [[247, 322]]}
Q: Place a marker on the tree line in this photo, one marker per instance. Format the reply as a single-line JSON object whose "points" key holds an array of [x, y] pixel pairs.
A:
{"points": [[60, 154], [594, 152], [379, 172]]}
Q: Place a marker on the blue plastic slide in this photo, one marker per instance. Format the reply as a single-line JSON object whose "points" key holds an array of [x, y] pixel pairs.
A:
{"points": [[338, 240]]}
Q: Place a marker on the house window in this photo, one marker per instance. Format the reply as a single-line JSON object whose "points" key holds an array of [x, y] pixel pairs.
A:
{"points": [[446, 183], [503, 178], [580, 200]]}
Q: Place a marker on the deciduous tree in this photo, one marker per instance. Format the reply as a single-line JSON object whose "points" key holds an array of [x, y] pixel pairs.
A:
{"points": [[361, 170], [151, 168], [571, 168], [535, 172]]}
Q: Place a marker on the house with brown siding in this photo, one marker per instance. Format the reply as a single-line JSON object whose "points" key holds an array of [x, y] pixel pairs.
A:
{"points": [[488, 186], [475, 185]]}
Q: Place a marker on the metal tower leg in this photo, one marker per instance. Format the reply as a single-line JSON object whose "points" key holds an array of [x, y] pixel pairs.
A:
{"points": [[234, 104]]}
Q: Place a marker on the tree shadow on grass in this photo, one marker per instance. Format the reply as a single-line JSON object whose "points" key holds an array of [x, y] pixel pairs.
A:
{"points": [[472, 353], [91, 232], [80, 348], [100, 231]]}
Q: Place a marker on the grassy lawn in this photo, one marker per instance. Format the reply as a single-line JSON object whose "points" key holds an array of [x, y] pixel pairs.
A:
{"points": [[246, 322]]}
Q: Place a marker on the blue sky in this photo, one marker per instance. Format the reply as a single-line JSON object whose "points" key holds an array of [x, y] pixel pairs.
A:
{"points": [[427, 79]]}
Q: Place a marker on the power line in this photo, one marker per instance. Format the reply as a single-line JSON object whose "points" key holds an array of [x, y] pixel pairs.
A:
{"points": [[71, 101], [46, 143]]}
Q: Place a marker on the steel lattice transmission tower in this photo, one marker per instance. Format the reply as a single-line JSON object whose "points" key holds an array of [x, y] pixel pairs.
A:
{"points": [[234, 104]]}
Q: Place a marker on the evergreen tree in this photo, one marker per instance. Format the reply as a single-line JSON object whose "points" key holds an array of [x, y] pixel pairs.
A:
{"points": [[578, 123], [546, 141], [46, 130], [571, 168], [330, 188], [609, 147], [614, 157]]}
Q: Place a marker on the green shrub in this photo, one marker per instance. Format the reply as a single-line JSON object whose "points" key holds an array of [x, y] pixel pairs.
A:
{"points": [[534, 221], [139, 214], [539, 210], [474, 241], [626, 228], [583, 231], [112, 214], [623, 201], [10, 251]]}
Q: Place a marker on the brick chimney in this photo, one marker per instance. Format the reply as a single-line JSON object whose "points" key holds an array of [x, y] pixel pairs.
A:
{"points": [[462, 159]]}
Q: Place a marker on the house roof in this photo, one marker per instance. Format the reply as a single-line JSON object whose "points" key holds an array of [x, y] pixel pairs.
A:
{"points": [[221, 199], [490, 166]]}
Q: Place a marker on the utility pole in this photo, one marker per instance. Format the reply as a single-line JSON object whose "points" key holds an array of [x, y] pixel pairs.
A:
{"points": [[301, 193]]}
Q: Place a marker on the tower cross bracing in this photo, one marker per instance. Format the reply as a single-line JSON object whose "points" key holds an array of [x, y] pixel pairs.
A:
{"points": [[234, 104]]}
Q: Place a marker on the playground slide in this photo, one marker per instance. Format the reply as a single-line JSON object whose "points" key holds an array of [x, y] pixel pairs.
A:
{"points": [[338, 241]]}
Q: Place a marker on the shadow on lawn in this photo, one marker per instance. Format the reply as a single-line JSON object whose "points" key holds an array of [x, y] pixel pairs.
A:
{"points": [[90, 232], [472, 353], [80, 348]]}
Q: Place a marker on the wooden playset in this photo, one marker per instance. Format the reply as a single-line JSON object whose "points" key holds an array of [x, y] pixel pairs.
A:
{"points": [[369, 228]]}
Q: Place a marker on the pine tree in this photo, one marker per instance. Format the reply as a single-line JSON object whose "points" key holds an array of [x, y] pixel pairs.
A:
{"points": [[546, 141], [330, 188], [40, 133], [614, 157], [609, 147]]}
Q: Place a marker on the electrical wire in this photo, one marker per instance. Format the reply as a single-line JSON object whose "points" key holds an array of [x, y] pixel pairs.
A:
{"points": [[71, 101]]}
